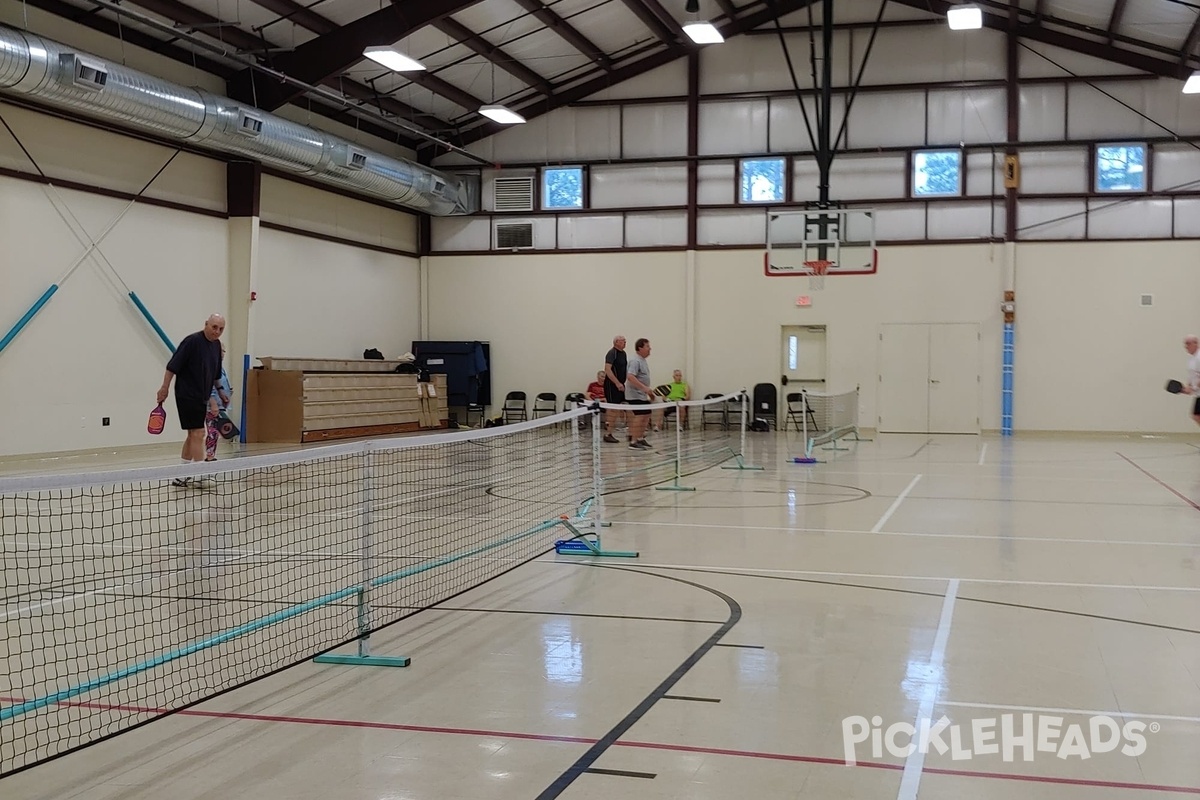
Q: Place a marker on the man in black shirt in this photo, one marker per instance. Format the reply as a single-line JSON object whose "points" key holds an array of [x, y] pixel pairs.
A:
{"points": [[614, 384], [196, 369]]}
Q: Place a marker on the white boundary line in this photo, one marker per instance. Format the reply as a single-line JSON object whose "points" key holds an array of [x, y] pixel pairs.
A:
{"points": [[914, 765], [921, 578], [1075, 711], [982, 453], [895, 504], [986, 537]]}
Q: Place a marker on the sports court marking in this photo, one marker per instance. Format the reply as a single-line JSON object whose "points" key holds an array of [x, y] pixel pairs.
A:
{"points": [[984, 536], [932, 578], [1161, 482], [667, 747], [1079, 712], [915, 763], [895, 504]]}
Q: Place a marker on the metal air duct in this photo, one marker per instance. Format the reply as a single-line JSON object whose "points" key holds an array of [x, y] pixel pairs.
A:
{"points": [[61, 77]]}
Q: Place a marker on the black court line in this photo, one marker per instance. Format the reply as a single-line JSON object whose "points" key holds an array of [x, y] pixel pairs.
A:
{"points": [[692, 699], [936, 595], [584, 762], [744, 646], [621, 773], [632, 617]]}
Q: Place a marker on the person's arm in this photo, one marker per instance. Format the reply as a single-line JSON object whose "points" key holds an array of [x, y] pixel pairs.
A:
{"points": [[165, 389], [637, 384], [612, 376], [687, 391]]}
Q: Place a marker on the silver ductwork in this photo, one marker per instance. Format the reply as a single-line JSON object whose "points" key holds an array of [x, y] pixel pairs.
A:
{"points": [[61, 77]]}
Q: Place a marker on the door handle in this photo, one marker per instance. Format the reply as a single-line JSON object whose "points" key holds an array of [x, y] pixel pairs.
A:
{"points": [[783, 379], [931, 380]]}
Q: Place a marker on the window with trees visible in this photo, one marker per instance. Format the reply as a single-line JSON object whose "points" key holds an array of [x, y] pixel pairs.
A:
{"points": [[1121, 168], [562, 187], [937, 173], [762, 180]]}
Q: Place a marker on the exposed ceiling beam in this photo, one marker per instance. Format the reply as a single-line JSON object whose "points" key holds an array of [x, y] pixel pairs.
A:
{"points": [[1189, 45], [607, 80], [651, 15], [291, 11], [1039, 9], [729, 9], [567, 32], [334, 52], [1077, 44], [493, 53], [1115, 19], [210, 26], [388, 105]]}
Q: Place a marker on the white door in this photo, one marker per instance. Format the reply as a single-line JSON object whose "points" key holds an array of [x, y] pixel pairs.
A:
{"points": [[929, 378], [903, 379], [954, 378], [804, 358]]}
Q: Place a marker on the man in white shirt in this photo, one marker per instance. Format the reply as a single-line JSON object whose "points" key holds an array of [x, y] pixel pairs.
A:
{"points": [[1192, 344], [637, 394]]}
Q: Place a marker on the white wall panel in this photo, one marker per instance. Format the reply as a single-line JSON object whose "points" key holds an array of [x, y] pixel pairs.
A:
{"points": [[805, 179], [881, 176], [1165, 104], [900, 222], [1050, 219], [545, 233], [976, 117], [750, 63], [621, 186], [1043, 112], [578, 231], [663, 229], [1091, 115], [460, 233], [739, 127], [885, 120], [985, 172], [716, 182], [935, 53], [787, 132], [981, 220], [1133, 219], [311, 209], [1175, 167], [563, 134], [732, 227], [1187, 217], [1054, 171], [667, 79], [654, 131]]}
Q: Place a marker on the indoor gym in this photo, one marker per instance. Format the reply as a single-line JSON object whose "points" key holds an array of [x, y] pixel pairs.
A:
{"points": [[972, 511]]}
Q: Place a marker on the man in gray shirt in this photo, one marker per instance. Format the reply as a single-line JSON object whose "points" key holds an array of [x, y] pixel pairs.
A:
{"points": [[637, 394]]}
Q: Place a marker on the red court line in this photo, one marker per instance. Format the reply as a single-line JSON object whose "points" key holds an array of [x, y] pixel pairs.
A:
{"points": [[674, 748], [1161, 483]]}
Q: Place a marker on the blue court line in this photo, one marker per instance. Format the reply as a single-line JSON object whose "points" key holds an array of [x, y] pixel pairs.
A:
{"points": [[250, 627]]}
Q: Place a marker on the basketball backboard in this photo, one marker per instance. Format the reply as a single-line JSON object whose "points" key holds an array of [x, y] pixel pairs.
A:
{"points": [[844, 238]]}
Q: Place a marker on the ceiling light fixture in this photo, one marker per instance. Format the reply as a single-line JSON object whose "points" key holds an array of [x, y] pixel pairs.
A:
{"points": [[502, 114], [965, 18], [703, 33], [1192, 86], [393, 60]]}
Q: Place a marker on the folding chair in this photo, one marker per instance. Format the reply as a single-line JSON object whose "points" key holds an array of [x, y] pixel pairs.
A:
{"points": [[514, 408], [545, 404], [797, 408]]}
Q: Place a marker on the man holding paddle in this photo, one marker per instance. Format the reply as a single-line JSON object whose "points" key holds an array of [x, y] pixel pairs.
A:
{"points": [[196, 369], [1191, 344]]}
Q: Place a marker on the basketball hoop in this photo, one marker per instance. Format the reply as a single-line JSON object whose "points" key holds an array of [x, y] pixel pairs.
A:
{"points": [[817, 270]]}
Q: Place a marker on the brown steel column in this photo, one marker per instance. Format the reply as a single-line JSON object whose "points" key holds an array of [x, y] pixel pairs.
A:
{"points": [[693, 146], [1014, 121]]}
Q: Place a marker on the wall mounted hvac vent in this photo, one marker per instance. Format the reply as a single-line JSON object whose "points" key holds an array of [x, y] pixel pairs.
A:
{"points": [[514, 235], [1147, 300], [249, 124], [513, 194], [355, 158], [86, 73]]}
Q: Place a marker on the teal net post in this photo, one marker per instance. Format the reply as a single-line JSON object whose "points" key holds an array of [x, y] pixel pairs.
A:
{"points": [[137, 301], [363, 657], [29, 315], [585, 540], [741, 453]]}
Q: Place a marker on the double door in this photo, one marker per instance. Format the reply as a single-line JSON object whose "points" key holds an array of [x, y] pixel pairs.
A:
{"points": [[929, 378]]}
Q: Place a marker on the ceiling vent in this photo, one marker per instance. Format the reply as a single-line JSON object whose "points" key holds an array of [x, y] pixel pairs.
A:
{"points": [[513, 194], [249, 124], [355, 158], [86, 73]]}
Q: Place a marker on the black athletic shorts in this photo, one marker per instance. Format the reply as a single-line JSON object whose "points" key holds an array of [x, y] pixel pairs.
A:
{"points": [[1196, 407], [612, 394], [191, 412], [638, 412]]}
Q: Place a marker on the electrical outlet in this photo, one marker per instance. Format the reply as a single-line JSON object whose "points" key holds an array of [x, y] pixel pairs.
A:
{"points": [[104, 422]]}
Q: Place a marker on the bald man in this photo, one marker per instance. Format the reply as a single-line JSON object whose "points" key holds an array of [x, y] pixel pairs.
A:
{"points": [[196, 370], [1192, 386]]}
